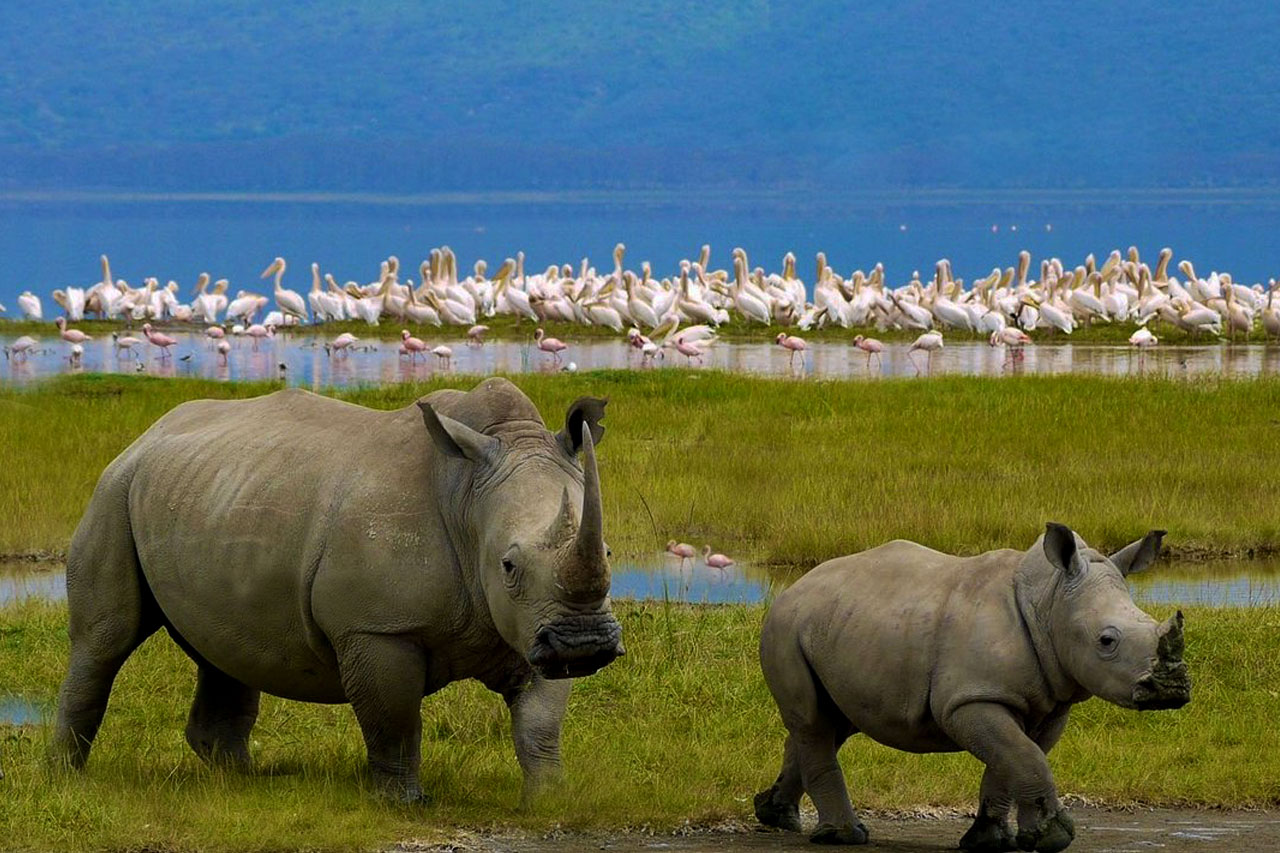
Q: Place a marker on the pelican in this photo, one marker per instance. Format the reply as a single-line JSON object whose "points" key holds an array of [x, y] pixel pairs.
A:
{"points": [[287, 300], [29, 305]]}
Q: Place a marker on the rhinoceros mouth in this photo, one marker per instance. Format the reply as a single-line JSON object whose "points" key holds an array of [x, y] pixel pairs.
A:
{"points": [[577, 646], [1163, 689]]}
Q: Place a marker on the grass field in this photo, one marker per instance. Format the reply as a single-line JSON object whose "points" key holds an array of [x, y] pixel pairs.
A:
{"points": [[681, 729], [507, 328], [793, 472]]}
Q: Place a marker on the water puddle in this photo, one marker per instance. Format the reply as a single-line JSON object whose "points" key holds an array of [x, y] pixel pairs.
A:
{"points": [[18, 711], [307, 364]]}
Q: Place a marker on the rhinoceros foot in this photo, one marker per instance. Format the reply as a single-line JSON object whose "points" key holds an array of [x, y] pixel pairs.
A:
{"points": [[849, 833], [989, 835], [1052, 834], [770, 812]]}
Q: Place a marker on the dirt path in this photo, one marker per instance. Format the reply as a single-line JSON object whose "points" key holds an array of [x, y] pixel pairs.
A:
{"points": [[1097, 831]]}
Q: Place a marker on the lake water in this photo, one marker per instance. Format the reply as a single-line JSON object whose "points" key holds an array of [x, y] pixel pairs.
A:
{"points": [[307, 364], [55, 241], [1220, 583]]}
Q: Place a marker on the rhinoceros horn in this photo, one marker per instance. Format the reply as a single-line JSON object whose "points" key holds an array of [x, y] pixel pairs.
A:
{"points": [[1169, 643], [585, 574]]}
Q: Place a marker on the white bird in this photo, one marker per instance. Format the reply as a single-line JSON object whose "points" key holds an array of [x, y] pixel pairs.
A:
{"points": [[289, 301], [29, 305], [929, 342]]}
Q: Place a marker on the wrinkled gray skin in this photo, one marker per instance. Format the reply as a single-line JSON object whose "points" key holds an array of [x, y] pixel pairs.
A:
{"points": [[326, 552], [927, 652]]}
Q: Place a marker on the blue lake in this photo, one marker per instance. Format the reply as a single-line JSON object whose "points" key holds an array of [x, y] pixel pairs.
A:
{"points": [[53, 243]]}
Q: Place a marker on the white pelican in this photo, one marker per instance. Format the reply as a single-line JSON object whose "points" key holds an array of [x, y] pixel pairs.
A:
{"points": [[287, 300], [29, 305]]}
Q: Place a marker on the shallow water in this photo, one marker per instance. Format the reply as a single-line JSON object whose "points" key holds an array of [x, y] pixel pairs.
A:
{"points": [[1219, 583], [17, 711], [307, 364]]}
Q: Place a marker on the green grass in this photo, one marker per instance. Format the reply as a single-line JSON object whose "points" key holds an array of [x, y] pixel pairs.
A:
{"points": [[508, 328], [681, 729], [793, 473]]}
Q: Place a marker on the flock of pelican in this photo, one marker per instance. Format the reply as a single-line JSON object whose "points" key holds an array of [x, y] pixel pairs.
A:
{"points": [[651, 311]]}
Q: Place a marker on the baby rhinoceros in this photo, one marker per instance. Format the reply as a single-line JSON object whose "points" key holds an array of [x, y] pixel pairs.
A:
{"points": [[927, 652]]}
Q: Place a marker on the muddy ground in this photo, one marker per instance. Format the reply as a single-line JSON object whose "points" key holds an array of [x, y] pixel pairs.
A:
{"points": [[1097, 831]]}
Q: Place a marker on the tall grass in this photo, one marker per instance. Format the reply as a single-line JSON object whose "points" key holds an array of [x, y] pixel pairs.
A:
{"points": [[792, 472], [680, 729]]}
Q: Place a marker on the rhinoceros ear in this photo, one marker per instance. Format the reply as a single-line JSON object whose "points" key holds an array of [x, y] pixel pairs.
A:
{"points": [[1060, 549], [1137, 556], [588, 410], [456, 438]]}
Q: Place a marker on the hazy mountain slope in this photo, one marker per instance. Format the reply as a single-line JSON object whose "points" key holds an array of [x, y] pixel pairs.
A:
{"points": [[408, 95]]}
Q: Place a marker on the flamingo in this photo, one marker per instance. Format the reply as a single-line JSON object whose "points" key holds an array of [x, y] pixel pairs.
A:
{"points": [[1013, 339], [259, 331], [158, 339], [1143, 339], [870, 346], [444, 354], [126, 343], [555, 346], [715, 561], [71, 336], [930, 342], [224, 348], [289, 301], [689, 350], [683, 550], [77, 353], [793, 344], [215, 333], [23, 346], [412, 345], [475, 335], [342, 343]]}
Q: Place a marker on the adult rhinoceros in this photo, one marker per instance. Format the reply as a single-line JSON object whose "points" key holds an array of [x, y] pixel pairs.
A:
{"points": [[326, 552], [927, 652]]}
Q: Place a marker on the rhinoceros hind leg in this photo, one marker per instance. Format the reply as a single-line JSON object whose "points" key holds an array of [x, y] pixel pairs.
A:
{"points": [[222, 716], [780, 805], [384, 678], [112, 611]]}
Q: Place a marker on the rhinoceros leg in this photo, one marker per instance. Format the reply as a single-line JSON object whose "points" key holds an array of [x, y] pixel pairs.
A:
{"points": [[111, 612], [222, 716], [384, 679], [816, 730], [1019, 767], [537, 711]]}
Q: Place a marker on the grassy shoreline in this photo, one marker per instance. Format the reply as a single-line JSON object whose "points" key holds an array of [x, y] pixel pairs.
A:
{"points": [[791, 473], [508, 328], [681, 730]]}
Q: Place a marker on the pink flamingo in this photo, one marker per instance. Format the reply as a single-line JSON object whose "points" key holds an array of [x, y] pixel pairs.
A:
{"points": [[683, 550], [555, 346], [475, 335], [870, 346], [23, 346], [71, 336], [258, 331], [715, 561], [125, 344], [1013, 339], [444, 354], [215, 333], [688, 350], [929, 342], [792, 343], [412, 345], [223, 349], [342, 343], [158, 339]]}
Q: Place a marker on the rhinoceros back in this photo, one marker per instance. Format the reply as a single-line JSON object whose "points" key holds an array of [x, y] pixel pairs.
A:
{"points": [[232, 507]]}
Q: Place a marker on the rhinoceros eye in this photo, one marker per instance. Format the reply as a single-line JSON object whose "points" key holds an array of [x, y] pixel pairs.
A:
{"points": [[1108, 642], [508, 566]]}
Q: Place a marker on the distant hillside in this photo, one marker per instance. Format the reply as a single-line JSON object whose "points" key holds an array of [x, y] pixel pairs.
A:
{"points": [[408, 96]]}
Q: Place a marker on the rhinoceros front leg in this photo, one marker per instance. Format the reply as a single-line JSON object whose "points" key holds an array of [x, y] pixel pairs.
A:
{"points": [[1018, 771], [990, 830], [384, 678], [537, 711]]}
